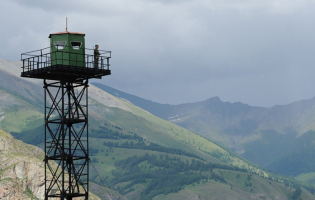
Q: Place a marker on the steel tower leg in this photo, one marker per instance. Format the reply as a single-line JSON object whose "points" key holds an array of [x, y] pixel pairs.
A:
{"points": [[66, 140]]}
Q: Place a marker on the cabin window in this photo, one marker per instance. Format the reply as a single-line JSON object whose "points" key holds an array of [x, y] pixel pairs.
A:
{"points": [[60, 44], [76, 45]]}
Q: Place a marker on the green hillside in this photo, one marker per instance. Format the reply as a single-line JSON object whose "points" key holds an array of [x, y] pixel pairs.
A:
{"points": [[138, 172], [134, 151], [307, 178], [141, 156], [280, 138]]}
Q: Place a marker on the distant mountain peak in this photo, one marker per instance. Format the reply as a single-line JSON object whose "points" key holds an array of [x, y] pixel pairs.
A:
{"points": [[216, 98]]}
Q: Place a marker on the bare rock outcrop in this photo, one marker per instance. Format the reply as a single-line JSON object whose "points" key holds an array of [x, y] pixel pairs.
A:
{"points": [[22, 172]]}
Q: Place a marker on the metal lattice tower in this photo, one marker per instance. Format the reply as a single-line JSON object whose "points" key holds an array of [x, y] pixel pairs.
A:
{"points": [[65, 70]]}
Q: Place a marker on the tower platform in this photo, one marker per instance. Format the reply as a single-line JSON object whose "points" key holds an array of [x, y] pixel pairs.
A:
{"points": [[72, 67], [68, 72]]}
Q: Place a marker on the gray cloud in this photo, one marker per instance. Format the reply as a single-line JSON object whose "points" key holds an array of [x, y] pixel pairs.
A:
{"points": [[257, 52]]}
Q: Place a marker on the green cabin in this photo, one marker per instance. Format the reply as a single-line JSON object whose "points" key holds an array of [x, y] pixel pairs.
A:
{"points": [[67, 49]]}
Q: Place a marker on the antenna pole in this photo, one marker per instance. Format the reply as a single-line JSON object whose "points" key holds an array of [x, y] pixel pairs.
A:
{"points": [[66, 23]]}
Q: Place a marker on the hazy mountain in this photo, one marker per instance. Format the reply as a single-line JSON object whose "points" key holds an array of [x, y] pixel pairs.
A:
{"points": [[280, 138], [142, 156], [159, 110]]}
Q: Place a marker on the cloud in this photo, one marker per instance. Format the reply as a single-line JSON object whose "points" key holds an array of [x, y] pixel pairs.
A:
{"points": [[167, 50]]}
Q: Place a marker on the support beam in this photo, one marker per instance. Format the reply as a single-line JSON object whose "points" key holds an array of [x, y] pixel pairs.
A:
{"points": [[66, 139]]}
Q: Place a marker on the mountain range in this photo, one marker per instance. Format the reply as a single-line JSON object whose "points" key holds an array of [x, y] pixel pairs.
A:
{"points": [[143, 155], [280, 138]]}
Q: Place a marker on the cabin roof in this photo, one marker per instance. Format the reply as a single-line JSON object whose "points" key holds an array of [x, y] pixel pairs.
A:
{"points": [[66, 32]]}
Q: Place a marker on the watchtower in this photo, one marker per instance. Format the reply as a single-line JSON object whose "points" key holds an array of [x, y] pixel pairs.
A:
{"points": [[67, 47], [65, 68]]}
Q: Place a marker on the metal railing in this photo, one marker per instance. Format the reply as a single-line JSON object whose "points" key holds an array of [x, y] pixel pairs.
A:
{"points": [[38, 59]]}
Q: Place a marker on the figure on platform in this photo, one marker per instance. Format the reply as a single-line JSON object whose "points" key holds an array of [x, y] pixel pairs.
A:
{"points": [[96, 56]]}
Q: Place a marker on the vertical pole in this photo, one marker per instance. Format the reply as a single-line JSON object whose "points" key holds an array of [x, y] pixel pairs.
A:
{"points": [[45, 158], [63, 140], [70, 164], [87, 137], [41, 58], [107, 63], [87, 62]]}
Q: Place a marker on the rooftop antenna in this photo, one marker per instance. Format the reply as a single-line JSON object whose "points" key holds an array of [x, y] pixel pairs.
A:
{"points": [[66, 23]]}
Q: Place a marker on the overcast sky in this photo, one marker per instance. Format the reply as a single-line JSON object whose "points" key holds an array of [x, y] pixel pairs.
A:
{"points": [[259, 52]]}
